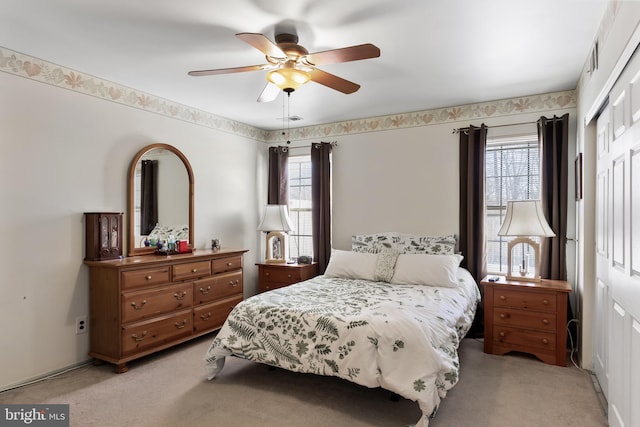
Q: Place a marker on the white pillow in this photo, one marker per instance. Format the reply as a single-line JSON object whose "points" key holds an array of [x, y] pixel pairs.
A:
{"points": [[351, 265], [426, 269]]}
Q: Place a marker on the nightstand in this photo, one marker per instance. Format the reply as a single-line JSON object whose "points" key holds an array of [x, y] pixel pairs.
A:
{"points": [[530, 317], [274, 276]]}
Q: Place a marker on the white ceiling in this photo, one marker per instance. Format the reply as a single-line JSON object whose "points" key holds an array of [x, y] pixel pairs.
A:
{"points": [[434, 53]]}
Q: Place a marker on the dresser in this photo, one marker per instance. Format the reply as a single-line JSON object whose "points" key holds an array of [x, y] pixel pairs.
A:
{"points": [[274, 276], [530, 317], [139, 305]]}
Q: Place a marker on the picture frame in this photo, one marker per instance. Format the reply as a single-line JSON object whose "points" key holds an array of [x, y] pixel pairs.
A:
{"points": [[578, 177]]}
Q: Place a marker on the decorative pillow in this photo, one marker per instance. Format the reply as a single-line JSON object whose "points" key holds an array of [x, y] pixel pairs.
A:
{"points": [[435, 245], [426, 269], [351, 265], [180, 232], [374, 243], [385, 265]]}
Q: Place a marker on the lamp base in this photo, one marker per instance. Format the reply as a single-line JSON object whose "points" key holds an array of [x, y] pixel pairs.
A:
{"points": [[524, 278]]}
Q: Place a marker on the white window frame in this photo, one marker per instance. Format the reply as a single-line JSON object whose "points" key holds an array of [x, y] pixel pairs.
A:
{"points": [[295, 209]]}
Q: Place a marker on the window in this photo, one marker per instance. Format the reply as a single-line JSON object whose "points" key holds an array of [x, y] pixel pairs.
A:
{"points": [[301, 238], [512, 173]]}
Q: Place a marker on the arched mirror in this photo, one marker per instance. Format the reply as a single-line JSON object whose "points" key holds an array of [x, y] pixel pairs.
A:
{"points": [[160, 197]]}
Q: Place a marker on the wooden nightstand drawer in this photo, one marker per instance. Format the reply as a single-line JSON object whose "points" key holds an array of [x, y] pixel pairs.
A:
{"points": [[526, 300], [274, 276], [524, 319], [524, 339], [281, 275]]}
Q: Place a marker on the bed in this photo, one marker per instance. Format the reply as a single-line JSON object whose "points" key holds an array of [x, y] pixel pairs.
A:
{"points": [[380, 316]]}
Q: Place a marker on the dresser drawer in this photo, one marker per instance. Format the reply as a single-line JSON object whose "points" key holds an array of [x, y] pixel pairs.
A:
{"points": [[145, 277], [524, 319], [217, 287], [191, 270], [150, 333], [139, 305], [526, 300], [281, 275], [213, 315], [226, 264], [524, 340]]}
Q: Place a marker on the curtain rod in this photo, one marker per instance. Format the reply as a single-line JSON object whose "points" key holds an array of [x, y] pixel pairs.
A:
{"points": [[495, 126], [284, 147]]}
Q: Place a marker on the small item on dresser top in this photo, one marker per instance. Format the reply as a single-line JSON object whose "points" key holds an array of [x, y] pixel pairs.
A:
{"points": [[215, 244], [171, 243]]}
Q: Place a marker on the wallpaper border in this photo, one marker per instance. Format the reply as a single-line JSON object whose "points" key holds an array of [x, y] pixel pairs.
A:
{"points": [[29, 67]]}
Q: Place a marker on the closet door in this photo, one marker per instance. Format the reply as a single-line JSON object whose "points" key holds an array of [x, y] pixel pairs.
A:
{"points": [[623, 164]]}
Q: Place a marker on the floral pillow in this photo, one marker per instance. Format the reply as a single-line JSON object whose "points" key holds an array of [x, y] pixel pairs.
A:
{"points": [[385, 265], [374, 243], [434, 245]]}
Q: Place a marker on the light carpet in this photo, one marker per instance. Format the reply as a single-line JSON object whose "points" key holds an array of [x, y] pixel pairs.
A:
{"points": [[170, 389]]}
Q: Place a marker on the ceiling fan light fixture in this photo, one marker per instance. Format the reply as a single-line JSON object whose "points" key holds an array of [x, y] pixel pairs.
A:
{"points": [[288, 78]]}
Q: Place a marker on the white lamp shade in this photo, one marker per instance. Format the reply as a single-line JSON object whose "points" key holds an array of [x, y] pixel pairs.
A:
{"points": [[276, 218], [525, 218]]}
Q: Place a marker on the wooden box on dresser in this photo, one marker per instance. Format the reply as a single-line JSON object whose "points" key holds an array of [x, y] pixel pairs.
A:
{"points": [[274, 276], [530, 317], [139, 305]]}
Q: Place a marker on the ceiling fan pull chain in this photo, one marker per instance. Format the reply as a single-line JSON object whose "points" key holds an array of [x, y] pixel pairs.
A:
{"points": [[288, 117]]}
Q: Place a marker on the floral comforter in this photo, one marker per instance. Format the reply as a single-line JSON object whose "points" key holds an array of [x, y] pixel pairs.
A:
{"points": [[403, 338]]}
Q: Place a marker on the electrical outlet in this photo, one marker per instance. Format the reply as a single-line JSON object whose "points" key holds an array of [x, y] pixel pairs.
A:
{"points": [[82, 326]]}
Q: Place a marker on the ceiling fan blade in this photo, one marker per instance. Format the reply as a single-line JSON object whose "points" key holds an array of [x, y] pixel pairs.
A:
{"points": [[346, 54], [263, 44], [333, 81], [227, 70], [269, 93]]}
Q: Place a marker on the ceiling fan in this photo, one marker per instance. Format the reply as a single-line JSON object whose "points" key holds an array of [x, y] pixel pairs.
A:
{"points": [[291, 65]]}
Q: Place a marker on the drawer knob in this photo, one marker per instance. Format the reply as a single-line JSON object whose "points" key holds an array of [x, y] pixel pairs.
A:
{"points": [[545, 302], [136, 307], [545, 341], [289, 276], [180, 297], [229, 264], [194, 270], [502, 297], [137, 338], [267, 274], [504, 316], [502, 334], [205, 316], [180, 325], [205, 291], [148, 277], [545, 322]]}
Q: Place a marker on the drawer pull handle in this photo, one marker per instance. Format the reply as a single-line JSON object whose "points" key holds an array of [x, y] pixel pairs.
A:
{"points": [[229, 264], [205, 316], [502, 297], [234, 283], [205, 291], [136, 338], [502, 334], [545, 341], [194, 270], [545, 321], [135, 306], [148, 277], [179, 325], [545, 302], [180, 297]]}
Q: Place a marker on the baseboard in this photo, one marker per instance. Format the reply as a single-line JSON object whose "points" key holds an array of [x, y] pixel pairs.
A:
{"points": [[47, 375]]}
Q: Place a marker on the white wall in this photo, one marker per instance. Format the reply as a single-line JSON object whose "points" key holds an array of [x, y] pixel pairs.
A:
{"points": [[63, 153]]}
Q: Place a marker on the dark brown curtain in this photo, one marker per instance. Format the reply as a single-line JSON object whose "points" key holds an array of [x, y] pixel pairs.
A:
{"points": [[473, 143], [553, 135], [278, 185], [321, 203], [149, 196]]}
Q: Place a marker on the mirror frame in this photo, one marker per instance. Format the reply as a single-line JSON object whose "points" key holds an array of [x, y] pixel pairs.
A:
{"points": [[133, 251]]}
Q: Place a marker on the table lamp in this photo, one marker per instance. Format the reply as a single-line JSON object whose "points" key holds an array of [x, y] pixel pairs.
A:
{"points": [[524, 218], [276, 223]]}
